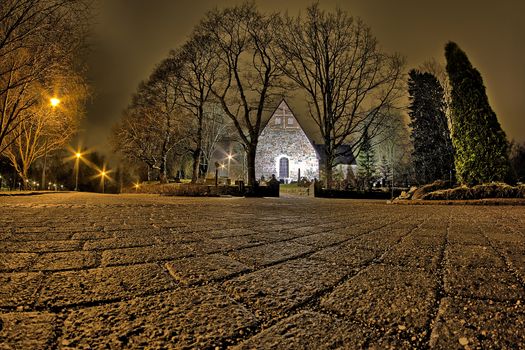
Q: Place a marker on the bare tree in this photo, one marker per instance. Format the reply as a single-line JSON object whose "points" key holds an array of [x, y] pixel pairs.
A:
{"points": [[37, 39], [135, 138], [248, 79], [348, 81], [392, 143], [46, 128], [154, 124], [215, 128], [196, 65]]}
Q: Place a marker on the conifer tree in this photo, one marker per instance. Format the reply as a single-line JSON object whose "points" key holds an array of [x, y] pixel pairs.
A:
{"points": [[481, 147], [433, 153], [366, 163]]}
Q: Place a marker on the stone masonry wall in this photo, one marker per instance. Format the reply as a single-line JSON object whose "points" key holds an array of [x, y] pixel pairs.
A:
{"points": [[284, 137]]}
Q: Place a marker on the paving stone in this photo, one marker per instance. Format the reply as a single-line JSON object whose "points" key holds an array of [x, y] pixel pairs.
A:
{"points": [[102, 284], [176, 238], [65, 261], [380, 240], [478, 324], [16, 261], [42, 236], [230, 243], [271, 236], [145, 254], [346, 254], [182, 319], [411, 253], [27, 330], [489, 283], [204, 268], [473, 256], [39, 246], [19, 288], [115, 243], [91, 235], [385, 296], [311, 330], [321, 240], [270, 253], [515, 254], [467, 235], [277, 289], [505, 239], [227, 232]]}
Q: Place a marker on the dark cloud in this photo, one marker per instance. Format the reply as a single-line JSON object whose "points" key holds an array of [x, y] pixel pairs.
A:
{"points": [[132, 36]]}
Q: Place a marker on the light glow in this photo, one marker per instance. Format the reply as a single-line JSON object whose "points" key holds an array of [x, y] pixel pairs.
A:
{"points": [[54, 101]]}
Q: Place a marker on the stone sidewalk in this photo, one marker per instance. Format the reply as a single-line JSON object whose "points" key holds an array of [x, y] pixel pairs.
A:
{"points": [[87, 271]]}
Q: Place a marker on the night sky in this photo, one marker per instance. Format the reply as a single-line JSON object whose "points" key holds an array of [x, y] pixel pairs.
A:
{"points": [[131, 36]]}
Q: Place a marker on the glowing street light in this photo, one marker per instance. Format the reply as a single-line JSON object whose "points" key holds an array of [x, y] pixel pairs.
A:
{"points": [[230, 157], [103, 175], [78, 155], [53, 101]]}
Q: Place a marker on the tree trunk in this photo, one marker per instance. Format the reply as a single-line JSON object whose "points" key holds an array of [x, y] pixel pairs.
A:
{"points": [[328, 170], [196, 165], [163, 173], [250, 158]]}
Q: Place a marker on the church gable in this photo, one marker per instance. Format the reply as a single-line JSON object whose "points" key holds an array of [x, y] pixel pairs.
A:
{"points": [[284, 150]]}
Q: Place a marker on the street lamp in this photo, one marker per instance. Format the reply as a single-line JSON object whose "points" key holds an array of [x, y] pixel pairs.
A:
{"points": [[54, 102], [230, 157], [78, 155], [103, 175]]}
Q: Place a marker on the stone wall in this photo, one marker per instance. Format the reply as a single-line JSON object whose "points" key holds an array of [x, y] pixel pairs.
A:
{"points": [[284, 137]]}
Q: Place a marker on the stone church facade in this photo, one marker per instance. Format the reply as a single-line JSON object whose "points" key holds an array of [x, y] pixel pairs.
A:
{"points": [[284, 150]]}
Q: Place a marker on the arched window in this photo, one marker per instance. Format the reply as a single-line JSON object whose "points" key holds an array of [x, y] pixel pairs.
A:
{"points": [[284, 168]]}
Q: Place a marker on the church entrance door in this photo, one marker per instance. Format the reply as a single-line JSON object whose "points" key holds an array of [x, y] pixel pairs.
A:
{"points": [[284, 169]]}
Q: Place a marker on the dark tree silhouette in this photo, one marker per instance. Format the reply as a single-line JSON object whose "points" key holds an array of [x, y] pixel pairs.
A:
{"points": [[366, 162], [433, 154], [248, 80], [481, 147], [348, 82]]}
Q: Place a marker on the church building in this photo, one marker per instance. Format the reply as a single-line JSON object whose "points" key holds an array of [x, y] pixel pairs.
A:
{"points": [[284, 150]]}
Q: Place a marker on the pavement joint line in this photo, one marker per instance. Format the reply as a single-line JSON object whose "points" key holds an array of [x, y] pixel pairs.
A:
{"points": [[508, 264], [440, 288], [315, 299]]}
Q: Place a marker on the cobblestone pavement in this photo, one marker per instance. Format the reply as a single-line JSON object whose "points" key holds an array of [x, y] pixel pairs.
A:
{"points": [[82, 271]]}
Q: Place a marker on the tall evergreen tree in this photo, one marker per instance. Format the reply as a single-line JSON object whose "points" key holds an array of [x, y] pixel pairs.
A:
{"points": [[433, 153], [481, 147], [366, 163]]}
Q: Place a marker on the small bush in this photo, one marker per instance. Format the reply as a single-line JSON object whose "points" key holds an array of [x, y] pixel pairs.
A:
{"points": [[435, 186], [458, 193], [490, 190]]}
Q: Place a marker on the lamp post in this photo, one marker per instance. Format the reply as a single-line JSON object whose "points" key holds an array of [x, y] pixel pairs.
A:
{"points": [[229, 160], [103, 174], [54, 102], [77, 165]]}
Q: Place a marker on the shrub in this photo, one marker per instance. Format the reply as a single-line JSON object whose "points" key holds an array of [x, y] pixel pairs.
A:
{"points": [[435, 186]]}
